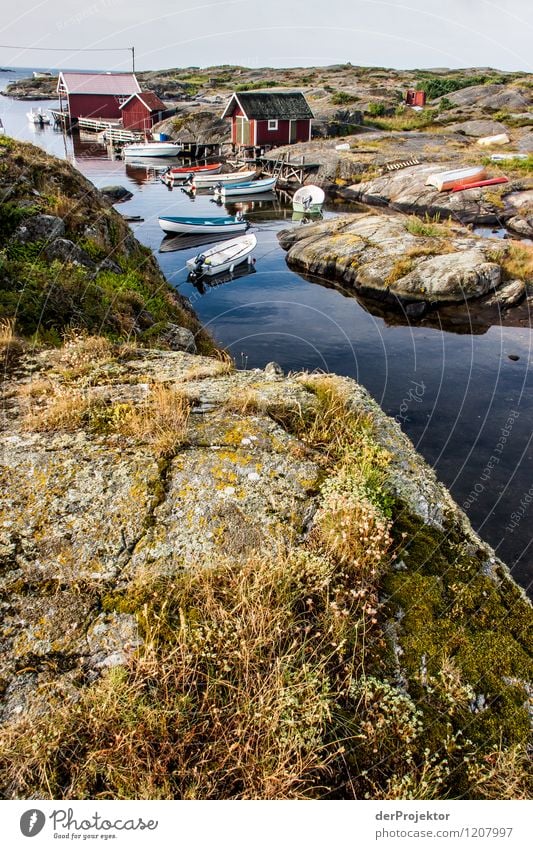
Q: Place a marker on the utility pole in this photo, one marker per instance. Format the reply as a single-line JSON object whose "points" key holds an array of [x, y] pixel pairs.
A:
{"points": [[133, 59]]}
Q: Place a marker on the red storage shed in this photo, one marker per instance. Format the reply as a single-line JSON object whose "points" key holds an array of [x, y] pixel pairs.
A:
{"points": [[268, 118], [90, 95], [415, 98], [141, 111]]}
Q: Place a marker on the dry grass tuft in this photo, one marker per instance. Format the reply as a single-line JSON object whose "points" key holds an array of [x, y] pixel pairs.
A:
{"points": [[245, 403], [161, 421], [401, 268], [66, 410], [517, 262], [11, 347], [231, 696], [502, 774], [427, 226]]}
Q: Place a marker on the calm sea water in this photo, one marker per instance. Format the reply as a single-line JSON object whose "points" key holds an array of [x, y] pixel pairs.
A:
{"points": [[458, 396]]}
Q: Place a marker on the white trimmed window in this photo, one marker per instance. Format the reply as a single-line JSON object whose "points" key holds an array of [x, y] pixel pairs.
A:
{"points": [[273, 124]]}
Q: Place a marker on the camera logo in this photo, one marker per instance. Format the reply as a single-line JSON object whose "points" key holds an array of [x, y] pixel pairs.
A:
{"points": [[32, 822]]}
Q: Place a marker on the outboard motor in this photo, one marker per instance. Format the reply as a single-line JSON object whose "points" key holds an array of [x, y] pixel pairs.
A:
{"points": [[307, 202], [198, 266]]}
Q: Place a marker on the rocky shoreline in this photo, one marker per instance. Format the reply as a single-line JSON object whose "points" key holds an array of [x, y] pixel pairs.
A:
{"points": [[412, 265]]}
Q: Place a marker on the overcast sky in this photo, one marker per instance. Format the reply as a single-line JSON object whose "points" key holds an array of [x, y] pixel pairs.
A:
{"points": [[178, 33]]}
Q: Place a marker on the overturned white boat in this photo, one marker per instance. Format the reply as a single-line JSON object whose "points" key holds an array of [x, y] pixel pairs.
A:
{"points": [[447, 180], [308, 199], [222, 257], [488, 141], [151, 149]]}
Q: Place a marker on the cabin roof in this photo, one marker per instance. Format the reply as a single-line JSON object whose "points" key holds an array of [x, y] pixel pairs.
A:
{"points": [[149, 98], [88, 83], [265, 105]]}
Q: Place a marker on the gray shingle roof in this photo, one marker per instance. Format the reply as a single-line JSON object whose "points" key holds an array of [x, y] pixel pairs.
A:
{"points": [[262, 105]]}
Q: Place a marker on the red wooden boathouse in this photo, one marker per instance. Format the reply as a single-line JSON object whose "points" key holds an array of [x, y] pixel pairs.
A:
{"points": [[90, 95], [268, 118], [141, 111]]}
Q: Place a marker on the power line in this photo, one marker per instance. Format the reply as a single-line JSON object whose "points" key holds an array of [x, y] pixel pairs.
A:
{"points": [[69, 49], [76, 50]]}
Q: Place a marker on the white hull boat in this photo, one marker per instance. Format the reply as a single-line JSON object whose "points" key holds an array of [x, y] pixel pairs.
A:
{"points": [[37, 116], [217, 224], [503, 157], [223, 257], [204, 181], [308, 199], [143, 149], [447, 180], [253, 187], [500, 138]]}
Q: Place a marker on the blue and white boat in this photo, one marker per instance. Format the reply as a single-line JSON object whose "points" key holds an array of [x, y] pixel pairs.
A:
{"points": [[217, 224], [253, 187]]}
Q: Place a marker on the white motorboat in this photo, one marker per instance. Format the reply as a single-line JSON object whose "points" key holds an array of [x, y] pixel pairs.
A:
{"points": [[447, 180], [37, 116], [308, 199], [216, 224], [254, 187], [204, 181], [222, 257], [143, 149]]}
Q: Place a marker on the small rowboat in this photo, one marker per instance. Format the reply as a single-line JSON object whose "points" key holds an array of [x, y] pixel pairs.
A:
{"points": [[222, 224], [204, 181], [222, 257], [182, 171], [308, 199], [254, 187], [447, 180], [494, 181], [151, 149]]}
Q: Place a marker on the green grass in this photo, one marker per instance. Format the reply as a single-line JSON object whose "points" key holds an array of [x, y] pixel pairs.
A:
{"points": [[406, 121], [343, 97], [511, 166]]}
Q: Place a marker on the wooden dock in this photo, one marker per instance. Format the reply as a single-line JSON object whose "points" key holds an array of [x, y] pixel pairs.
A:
{"points": [[199, 149], [288, 170]]}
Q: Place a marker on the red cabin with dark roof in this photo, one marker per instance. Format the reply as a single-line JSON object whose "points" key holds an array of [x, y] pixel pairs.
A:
{"points": [[141, 111], [89, 95], [269, 118]]}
